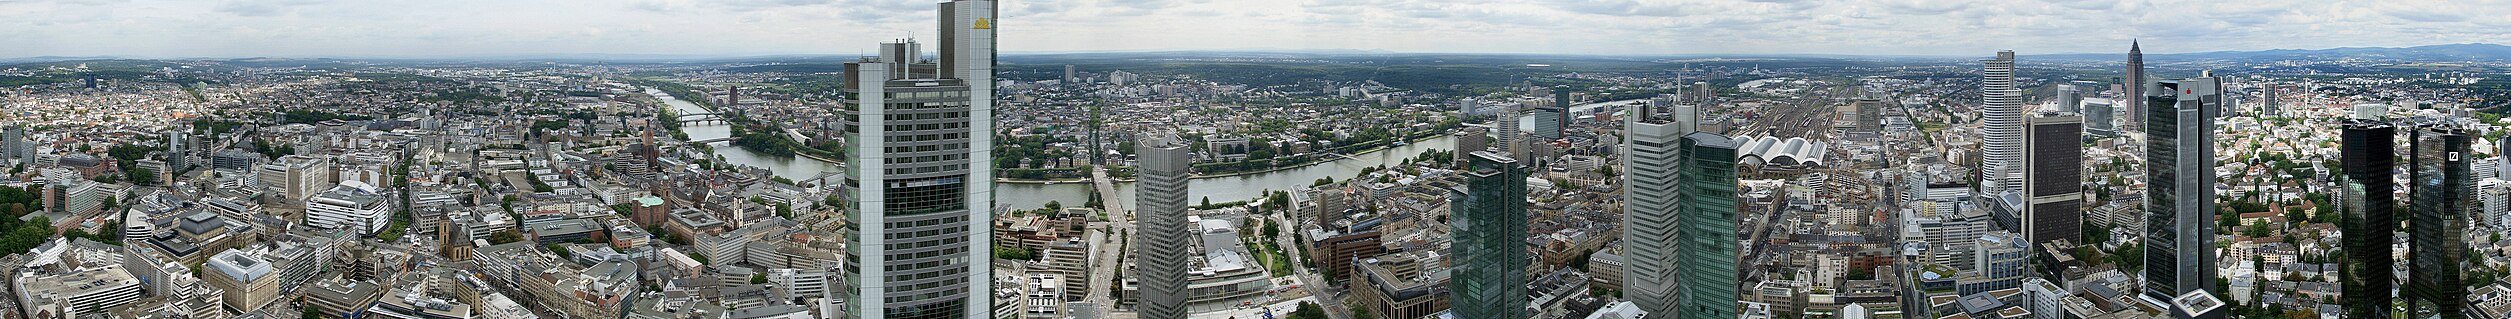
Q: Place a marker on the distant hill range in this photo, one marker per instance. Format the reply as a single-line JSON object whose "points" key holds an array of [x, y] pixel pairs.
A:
{"points": [[2429, 53]]}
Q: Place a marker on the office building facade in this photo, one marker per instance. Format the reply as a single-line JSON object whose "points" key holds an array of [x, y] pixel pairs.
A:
{"points": [[247, 282], [915, 244], [2179, 194], [1160, 261], [2001, 113], [2101, 117], [1552, 122], [178, 151], [1507, 130], [296, 177], [2054, 187], [1488, 258], [14, 144], [1650, 209], [2443, 188], [2268, 94], [352, 206], [1708, 260], [2367, 196]]}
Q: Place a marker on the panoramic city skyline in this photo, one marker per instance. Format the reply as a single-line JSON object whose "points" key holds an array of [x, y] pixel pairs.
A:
{"points": [[680, 28], [1201, 159]]}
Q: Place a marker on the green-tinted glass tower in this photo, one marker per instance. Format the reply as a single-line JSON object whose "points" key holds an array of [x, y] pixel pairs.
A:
{"points": [[1487, 261], [1708, 272]]}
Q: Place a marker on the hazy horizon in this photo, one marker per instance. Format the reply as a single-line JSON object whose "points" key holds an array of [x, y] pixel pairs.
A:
{"points": [[712, 57], [750, 28]]}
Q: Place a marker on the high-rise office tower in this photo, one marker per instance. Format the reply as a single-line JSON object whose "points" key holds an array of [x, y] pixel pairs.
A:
{"points": [[1506, 127], [967, 31], [2070, 98], [1550, 121], [1702, 95], [1561, 100], [2179, 189], [1650, 210], [2055, 184], [2223, 108], [2268, 95], [1069, 74], [1708, 261], [2368, 156], [14, 146], [1160, 261], [178, 157], [915, 241], [2100, 116], [2444, 192], [2135, 85], [2097, 112], [1488, 259], [2001, 113]]}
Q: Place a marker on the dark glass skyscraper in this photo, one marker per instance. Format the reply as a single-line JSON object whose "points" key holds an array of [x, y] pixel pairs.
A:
{"points": [[2368, 157], [2179, 194], [2444, 193], [1487, 261], [2054, 184]]}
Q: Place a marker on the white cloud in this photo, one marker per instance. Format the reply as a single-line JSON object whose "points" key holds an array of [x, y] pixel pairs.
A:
{"points": [[403, 28]]}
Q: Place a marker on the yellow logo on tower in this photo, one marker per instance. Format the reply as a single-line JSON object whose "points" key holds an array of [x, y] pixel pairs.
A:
{"points": [[984, 24]]}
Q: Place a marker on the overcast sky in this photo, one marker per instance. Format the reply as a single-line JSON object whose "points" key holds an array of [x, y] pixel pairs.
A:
{"points": [[484, 28]]}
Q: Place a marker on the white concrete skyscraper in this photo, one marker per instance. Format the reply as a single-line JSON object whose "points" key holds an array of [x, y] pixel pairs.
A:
{"points": [[1506, 126], [1650, 209], [1160, 261], [916, 241], [2001, 111]]}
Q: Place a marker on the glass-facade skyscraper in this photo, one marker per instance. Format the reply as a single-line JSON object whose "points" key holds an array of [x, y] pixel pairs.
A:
{"points": [[1551, 123], [1708, 262], [2368, 156], [1488, 259], [2180, 192], [2443, 190]]}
